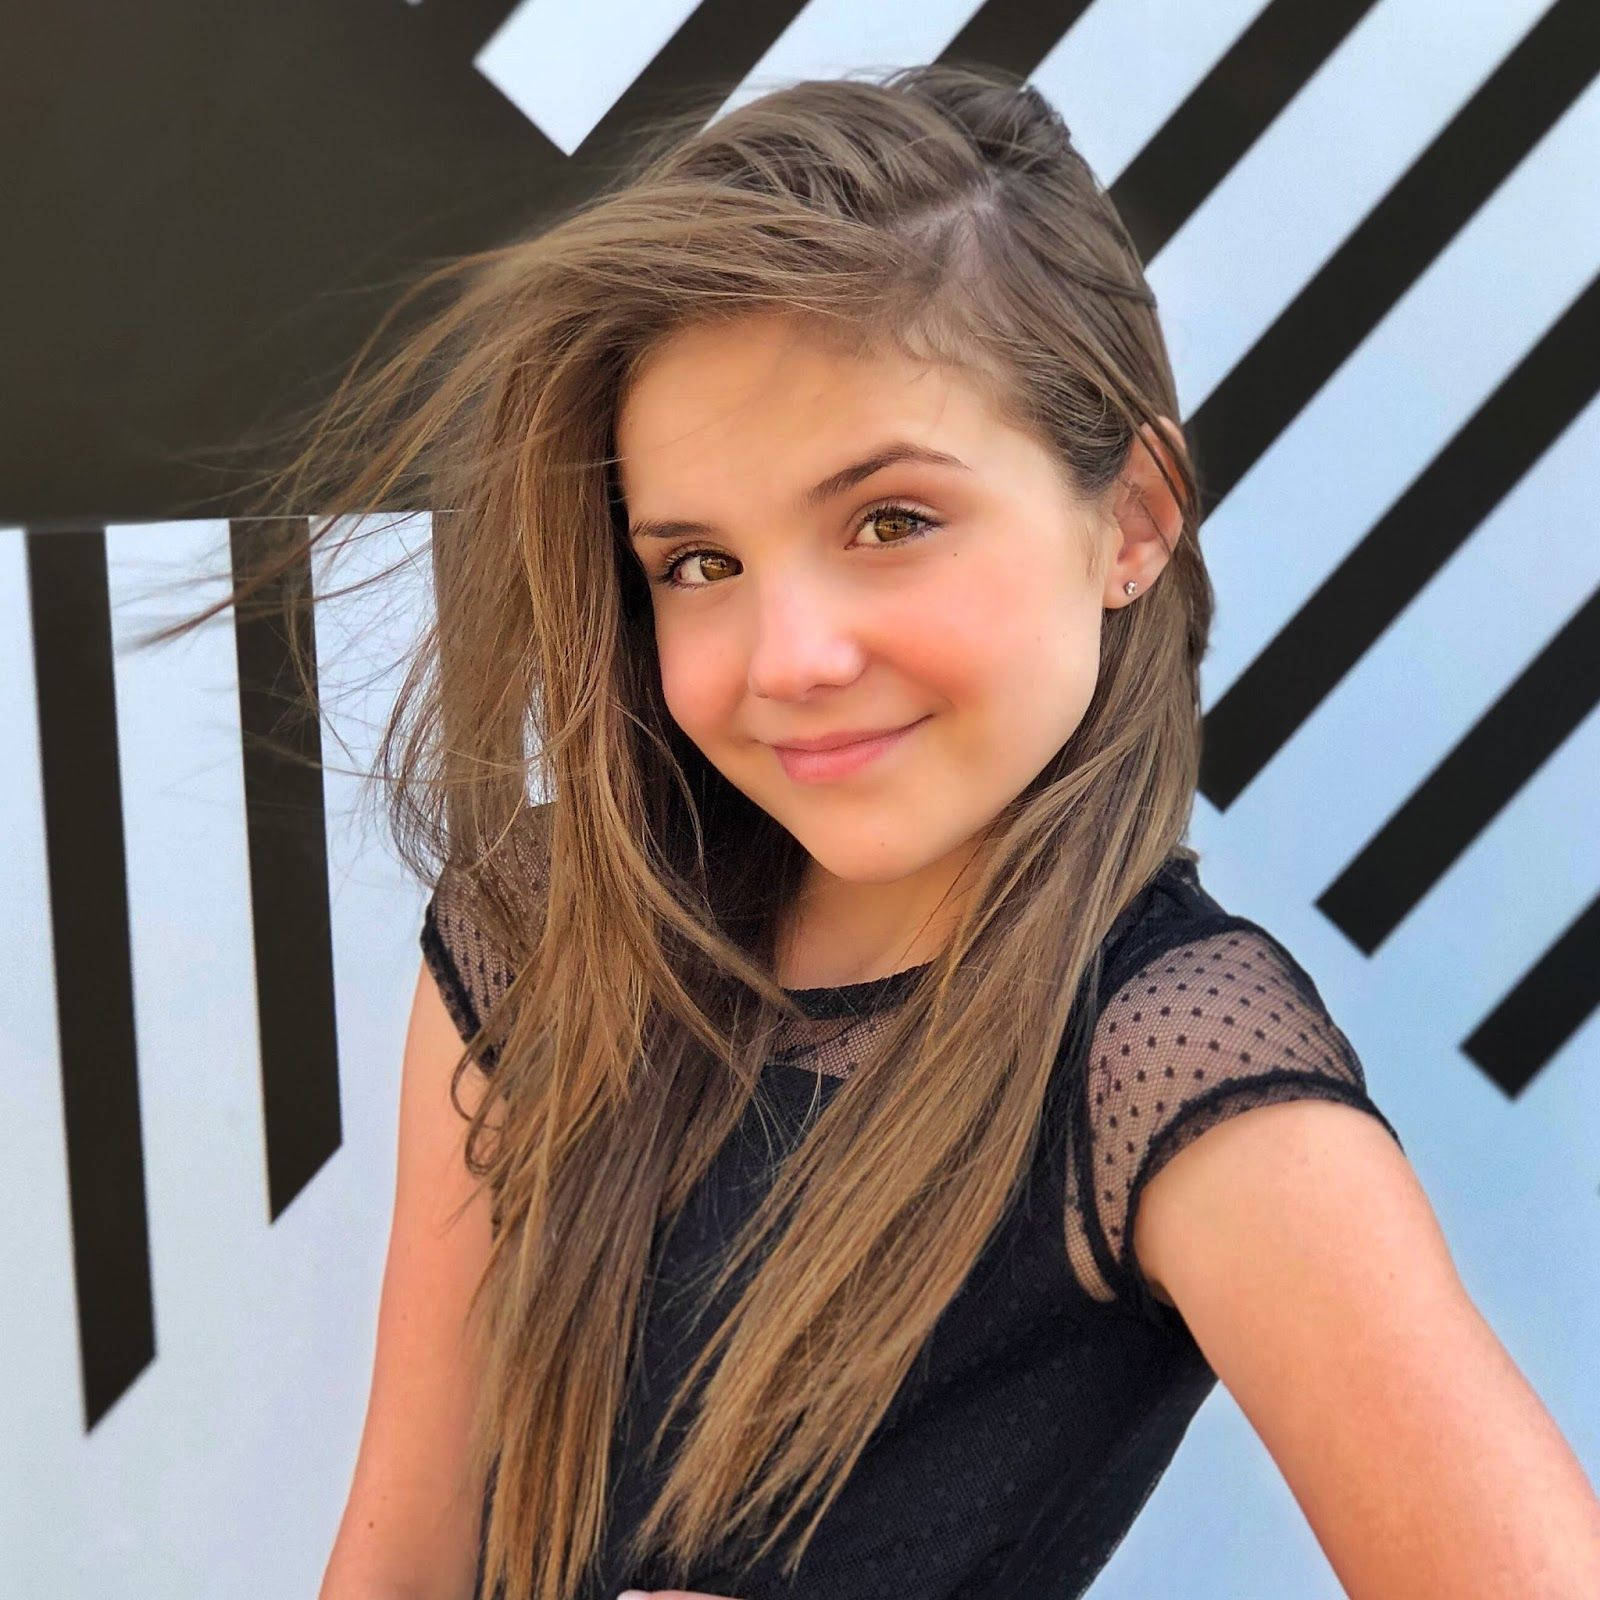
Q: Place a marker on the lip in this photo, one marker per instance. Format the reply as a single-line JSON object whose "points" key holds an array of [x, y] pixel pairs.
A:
{"points": [[835, 741], [836, 755]]}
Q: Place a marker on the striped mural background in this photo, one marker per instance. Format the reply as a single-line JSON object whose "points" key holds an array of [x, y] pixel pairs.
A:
{"points": [[1374, 231]]}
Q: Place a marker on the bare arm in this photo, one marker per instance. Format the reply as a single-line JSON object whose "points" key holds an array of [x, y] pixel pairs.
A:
{"points": [[1307, 1262], [410, 1526]]}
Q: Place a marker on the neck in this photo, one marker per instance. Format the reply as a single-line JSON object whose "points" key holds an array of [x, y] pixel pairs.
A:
{"points": [[837, 931]]}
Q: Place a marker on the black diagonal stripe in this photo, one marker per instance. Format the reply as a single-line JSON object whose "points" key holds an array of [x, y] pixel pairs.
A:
{"points": [[1231, 107], [1558, 995], [1436, 515], [84, 848], [1394, 244], [459, 30], [1471, 786], [288, 880], [1014, 35]]}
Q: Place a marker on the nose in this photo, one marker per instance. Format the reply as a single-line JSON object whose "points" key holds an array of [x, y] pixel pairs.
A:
{"points": [[804, 636]]}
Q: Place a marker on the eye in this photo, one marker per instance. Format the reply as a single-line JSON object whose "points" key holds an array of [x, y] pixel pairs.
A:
{"points": [[919, 524], [898, 513]]}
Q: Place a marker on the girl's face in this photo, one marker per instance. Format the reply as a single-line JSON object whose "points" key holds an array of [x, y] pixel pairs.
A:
{"points": [[841, 547]]}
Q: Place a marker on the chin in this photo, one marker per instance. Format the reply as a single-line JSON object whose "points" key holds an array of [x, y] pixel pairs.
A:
{"points": [[864, 854]]}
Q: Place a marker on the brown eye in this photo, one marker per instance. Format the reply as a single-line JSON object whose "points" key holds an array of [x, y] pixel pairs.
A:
{"points": [[668, 576], [918, 523], [914, 526]]}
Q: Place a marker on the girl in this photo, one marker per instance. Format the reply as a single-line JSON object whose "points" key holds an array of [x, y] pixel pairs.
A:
{"points": [[878, 1141]]}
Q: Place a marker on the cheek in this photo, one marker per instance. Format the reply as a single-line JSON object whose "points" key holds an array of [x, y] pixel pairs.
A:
{"points": [[1010, 640], [700, 681]]}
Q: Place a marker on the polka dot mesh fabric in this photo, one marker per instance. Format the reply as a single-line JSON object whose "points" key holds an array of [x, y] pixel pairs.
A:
{"points": [[470, 972], [468, 966], [1057, 1386], [1203, 1032]]}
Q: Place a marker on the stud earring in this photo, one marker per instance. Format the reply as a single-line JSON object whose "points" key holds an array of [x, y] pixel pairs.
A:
{"points": [[1129, 587]]}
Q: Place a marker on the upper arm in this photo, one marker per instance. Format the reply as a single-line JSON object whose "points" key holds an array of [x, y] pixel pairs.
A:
{"points": [[1305, 1259], [412, 1516], [1205, 1029]]}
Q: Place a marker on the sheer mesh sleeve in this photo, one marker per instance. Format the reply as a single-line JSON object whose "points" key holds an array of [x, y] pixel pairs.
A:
{"points": [[1198, 1034], [469, 966]]}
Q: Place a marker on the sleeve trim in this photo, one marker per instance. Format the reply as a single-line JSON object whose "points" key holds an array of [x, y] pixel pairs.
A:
{"points": [[447, 975], [1127, 1279]]}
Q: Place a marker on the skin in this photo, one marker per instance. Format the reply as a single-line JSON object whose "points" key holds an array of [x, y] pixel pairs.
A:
{"points": [[1295, 1239], [804, 622]]}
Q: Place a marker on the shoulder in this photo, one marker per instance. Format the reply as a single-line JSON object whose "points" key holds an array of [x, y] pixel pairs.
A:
{"points": [[1300, 1250], [1203, 1016], [482, 918]]}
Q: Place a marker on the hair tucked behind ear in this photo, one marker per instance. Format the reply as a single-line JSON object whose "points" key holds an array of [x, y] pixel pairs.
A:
{"points": [[939, 210]]}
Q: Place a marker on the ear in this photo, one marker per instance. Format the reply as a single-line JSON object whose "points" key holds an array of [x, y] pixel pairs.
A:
{"points": [[1147, 516]]}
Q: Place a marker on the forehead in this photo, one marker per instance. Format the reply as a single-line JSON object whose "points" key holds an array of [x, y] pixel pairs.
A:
{"points": [[765, 397]]}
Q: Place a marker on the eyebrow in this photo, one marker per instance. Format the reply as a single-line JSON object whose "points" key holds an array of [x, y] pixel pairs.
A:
{"points": [[834, 484]]}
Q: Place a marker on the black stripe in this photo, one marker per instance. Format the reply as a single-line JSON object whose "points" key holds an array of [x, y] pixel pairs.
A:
{"points": [[1558, 995], [1394, 245], [286, 829], [1014, 35], [1421, 531], [82, 783], [1471, 786], [458, 31], [1232, 106]]}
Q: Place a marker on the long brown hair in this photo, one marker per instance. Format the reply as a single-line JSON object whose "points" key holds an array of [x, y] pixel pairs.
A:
{"points": [[942, 210]]}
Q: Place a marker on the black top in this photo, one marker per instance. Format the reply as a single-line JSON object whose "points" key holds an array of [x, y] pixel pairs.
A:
{"points": [[1055, 1387]]}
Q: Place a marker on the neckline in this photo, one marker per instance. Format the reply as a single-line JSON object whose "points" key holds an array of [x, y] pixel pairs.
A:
{"points": [[856, 999], [872, 994]]}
